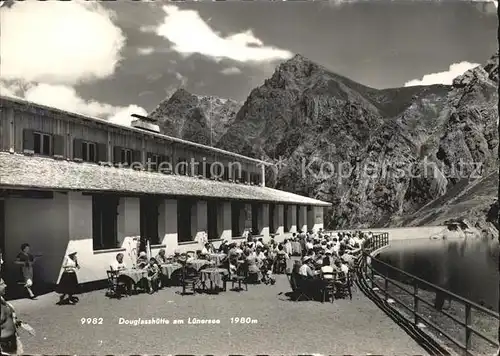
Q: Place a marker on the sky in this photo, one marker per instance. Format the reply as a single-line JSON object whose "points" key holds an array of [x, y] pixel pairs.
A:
{"points": [[112, 59]]}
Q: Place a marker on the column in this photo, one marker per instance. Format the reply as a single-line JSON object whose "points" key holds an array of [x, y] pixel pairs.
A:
{"points": [[302, 225], [318, 217], [263, 175], [168, 215], [264, 221], [201, 218], [310, 218], [129, 220], [225, 210], [292, 217], [280, 223]]}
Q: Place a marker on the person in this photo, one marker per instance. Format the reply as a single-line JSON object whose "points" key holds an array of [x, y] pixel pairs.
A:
{"points": [[118, 263], [142, 260], [207, 249], [327, 269], [161, 257], [254, 272], [68, 284], [25, 259], [224, 247], [305, 269], [10, 344], [153, 276]]}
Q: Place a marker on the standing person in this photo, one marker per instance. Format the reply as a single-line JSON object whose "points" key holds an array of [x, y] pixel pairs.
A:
{"points": [[26, 260], [9, 340], [68, 284]]}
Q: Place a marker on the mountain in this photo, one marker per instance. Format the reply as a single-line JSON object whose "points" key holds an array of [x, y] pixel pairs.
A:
{"points": [[394, 157], [201, 119]]}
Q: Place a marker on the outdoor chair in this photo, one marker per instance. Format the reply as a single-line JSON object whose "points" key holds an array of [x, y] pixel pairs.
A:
{"points": [[343, 284], [240, 277], [116, 288], [297, 288], [328, 290], [190, 280]]}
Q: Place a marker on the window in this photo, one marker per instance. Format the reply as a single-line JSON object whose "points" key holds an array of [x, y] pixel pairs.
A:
{"points": [[272, 224], [255, 219], [89, 152], [236, 219], [104, 221], [42, 144], [243, 178], [126, 156], [184, 212], [225, 176], [182, 167], [206, 169], [285, 218], [152, 162], [149, 211], [212, 217]]}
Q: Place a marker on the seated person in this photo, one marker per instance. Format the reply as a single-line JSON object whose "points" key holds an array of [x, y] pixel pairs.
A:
{"points": [[259, 254], [259, 243], [118, 263], [207, 249], [224, 247], [153, 277], [327, 270], [341, 267], [161, 257], [142, 260], [306, 269], [8, 326], [254, 273]]}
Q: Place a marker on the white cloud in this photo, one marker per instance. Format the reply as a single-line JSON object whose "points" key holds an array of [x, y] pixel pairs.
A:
{"points": [[58, 42], [445, 77], [190, 34], [47, 47], [146, 51], [181, 78], [231, 71]]}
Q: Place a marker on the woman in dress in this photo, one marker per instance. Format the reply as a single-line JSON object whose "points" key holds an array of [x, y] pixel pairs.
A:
{"points": [[68, 284], [25, 260], [254, 273]]}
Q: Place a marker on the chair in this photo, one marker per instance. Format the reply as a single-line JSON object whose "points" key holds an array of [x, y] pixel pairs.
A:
{"points": [[115, 287], [297, 287], [241, 277], [343, 284], [328, 289], [280, 266], [190, 280]]}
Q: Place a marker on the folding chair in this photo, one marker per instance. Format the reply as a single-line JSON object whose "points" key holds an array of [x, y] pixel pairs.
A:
{"points": [[241, 277], [297, 288], [115, 288], [343, 284], [190, 280]]}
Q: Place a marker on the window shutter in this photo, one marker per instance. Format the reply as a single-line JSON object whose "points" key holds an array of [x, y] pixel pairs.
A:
{"points": [[58, 146], [102, 153], [28, 141], [117, 153], [77, 149], [136, 158]]}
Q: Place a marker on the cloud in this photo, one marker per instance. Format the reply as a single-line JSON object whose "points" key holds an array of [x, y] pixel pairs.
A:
{"points": [[231, 71], [445, 77], [190, 34], [181, 78], [145, 51], [58, 42], [123, 115]]}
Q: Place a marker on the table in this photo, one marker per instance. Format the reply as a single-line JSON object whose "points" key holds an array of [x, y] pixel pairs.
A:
{"points": [[215, 276], [169, 268], [216, 258], [198, 263], [134, 274]]}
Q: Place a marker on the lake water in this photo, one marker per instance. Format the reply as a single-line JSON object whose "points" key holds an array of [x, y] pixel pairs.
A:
{"points": [[465, 267]]}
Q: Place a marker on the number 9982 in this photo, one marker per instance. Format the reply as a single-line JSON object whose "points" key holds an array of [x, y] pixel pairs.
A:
{"points": [[91, 321]]}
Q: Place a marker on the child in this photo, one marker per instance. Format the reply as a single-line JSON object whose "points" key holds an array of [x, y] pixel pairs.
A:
{"points": [[9, 340], [153, 276]]}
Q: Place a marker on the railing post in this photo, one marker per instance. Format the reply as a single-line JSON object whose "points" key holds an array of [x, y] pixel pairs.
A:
{"points": [[371, 275], [415, 302], [468, 324], [386, 287]]}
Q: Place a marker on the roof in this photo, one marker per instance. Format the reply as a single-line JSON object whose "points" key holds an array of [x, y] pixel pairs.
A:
{"points": [[33, 172], [126, 128]]}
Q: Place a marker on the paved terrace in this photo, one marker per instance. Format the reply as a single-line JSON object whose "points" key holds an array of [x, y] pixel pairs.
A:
{"points": [[282, 327]]}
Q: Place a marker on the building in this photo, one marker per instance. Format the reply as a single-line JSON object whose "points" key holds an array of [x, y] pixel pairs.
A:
{"points": [[72, 181]]}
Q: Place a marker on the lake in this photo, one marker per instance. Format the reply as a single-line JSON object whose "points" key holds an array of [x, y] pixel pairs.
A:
{"points": [[465, 267]]}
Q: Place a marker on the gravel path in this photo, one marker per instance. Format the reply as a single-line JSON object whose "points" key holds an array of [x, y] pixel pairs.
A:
{"points": [[281, 327]]}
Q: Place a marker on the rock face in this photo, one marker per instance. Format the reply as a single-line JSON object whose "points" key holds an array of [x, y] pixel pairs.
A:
{"points": [[394, 157], [201, 119]]}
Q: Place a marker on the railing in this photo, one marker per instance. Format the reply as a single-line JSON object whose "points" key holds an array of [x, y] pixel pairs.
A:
{"points": [[368, 271]]}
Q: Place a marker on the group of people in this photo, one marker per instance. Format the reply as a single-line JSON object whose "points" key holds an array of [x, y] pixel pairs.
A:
{"points": [[327, 256]]}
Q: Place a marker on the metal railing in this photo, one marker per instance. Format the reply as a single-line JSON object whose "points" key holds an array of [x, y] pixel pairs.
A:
{"points": [[368, 271]]}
